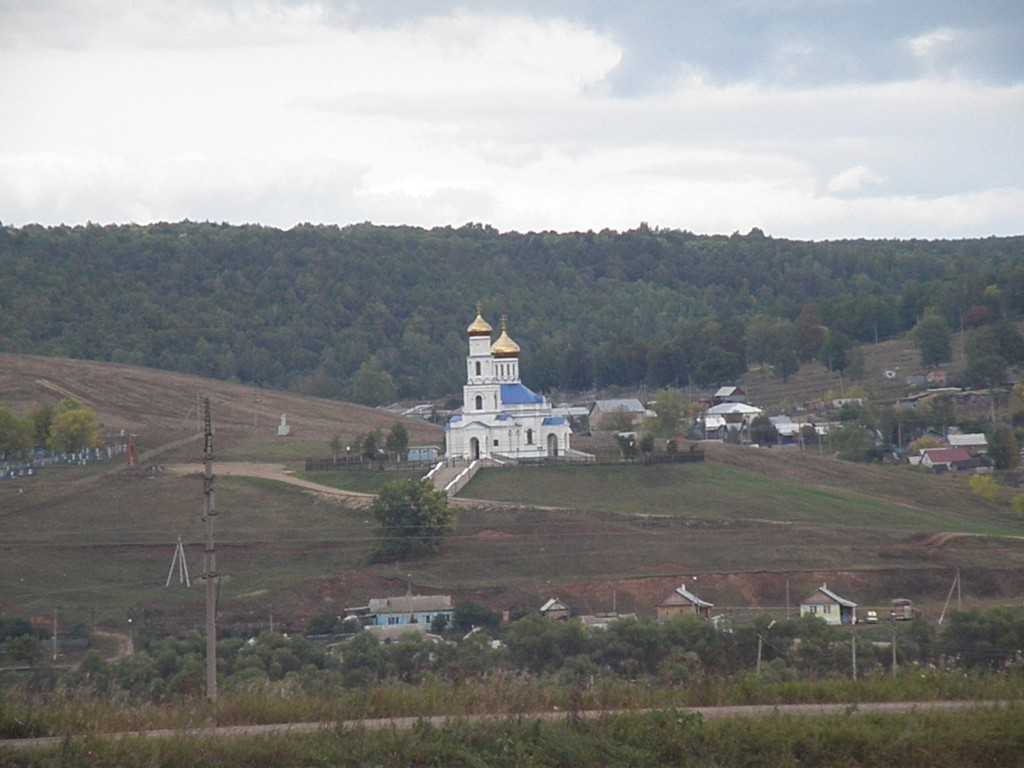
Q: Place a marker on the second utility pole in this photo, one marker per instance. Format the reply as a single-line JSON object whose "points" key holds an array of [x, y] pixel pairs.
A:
{"points": [[210, 564]]}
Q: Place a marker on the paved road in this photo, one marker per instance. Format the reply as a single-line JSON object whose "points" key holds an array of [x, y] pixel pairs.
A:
{"points": [[407, 723]]}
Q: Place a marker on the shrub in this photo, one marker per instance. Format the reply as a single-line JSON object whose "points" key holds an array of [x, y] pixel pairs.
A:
{"points": [[1018, 504], [985, 487]]}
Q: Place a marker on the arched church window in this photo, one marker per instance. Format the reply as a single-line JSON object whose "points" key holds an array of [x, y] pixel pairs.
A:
{"points": [[529, 437], [479, 403], [478, 368]]}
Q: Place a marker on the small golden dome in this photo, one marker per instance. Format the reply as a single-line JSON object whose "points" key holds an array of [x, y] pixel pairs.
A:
{"points": [[479, 327], [504, 346]]}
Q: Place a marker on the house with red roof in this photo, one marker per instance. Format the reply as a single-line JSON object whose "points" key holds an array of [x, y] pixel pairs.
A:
{"points": [[946, 459]]}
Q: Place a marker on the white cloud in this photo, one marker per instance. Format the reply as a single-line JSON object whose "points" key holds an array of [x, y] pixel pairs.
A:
{"points": [[853, 179], [284, 114], [930, 42]]}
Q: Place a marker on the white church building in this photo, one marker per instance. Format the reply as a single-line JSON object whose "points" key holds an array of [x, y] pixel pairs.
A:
{"points": [[500, 416]]}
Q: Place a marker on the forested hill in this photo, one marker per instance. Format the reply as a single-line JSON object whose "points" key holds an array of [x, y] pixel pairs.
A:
{"points": [[368, 312]]}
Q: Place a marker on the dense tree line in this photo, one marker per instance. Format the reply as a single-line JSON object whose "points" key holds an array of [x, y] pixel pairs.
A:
{"points": [[372, 313], [683, 651]]}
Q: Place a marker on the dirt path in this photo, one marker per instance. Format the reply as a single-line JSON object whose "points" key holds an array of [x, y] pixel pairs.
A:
{"points": [[278, 472], [408, 723], [124, 644]]}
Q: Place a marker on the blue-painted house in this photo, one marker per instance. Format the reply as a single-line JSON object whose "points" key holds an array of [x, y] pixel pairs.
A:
{"points": [[408, 609]]}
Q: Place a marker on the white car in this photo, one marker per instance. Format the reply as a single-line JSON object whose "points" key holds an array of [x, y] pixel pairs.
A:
{"points": [[871, 617]]}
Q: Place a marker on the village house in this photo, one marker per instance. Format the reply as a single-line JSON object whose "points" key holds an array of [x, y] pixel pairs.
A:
{"points": [[682, 602], [405, 610], [827, 605], [602, 411], [947, 459], [555, 610], [728, 395], [973, 442], [728, 417]]}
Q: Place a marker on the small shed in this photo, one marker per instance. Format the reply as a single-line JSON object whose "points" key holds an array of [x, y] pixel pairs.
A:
{"points": [[827, 605], [682, 602], [555, 610]]}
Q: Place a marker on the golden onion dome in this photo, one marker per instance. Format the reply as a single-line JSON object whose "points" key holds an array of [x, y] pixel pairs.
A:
{"points": [[504, 346], [479, 327]]}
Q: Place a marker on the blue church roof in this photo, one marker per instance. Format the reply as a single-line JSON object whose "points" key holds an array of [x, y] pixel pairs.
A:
{"points": [[553, 421], [517, 394]]}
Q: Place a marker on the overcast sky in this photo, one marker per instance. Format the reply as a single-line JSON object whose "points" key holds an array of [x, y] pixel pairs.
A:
{"points": [[807, 118]]}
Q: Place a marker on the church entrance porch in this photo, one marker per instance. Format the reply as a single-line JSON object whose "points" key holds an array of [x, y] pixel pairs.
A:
{"points": [[552, 445]]}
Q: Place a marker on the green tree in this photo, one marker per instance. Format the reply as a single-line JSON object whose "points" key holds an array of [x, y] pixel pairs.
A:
{"points": [[413, 519], [471, 615], [397, 440], [336, 444], [15, 434], [854, 443], [762, 431], [786, 363], [670, 407], [933, 339], [42, 419], [647, 443], [1003, 448], [627, 446], [371, 445], [73, 429], [810, 332], [372, 385], [24, 649], [855, 363], [835, 349]]}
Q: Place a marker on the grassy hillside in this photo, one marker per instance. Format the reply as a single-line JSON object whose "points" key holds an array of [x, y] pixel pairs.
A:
{"points": [[96, 542], [159, 406], [744, 484]]}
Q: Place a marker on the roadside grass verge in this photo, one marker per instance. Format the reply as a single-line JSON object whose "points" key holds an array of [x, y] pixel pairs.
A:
{"points": [[24, 715], [925, 740]]}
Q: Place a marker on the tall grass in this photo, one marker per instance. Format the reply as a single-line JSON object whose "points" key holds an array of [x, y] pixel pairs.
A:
{"points": [[25, 715], [987, 737]]}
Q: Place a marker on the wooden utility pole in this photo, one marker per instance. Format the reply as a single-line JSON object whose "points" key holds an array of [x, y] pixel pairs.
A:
{"points": [[853, 650], [55, 634], [210, 558], [894, 649], [760, 640], [959, 600]]}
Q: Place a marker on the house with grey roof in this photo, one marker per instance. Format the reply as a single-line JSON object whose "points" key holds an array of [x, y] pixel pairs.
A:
{"points": [[555, 609], [408, 609], [602, 410], [682, 602], [829, 606]]}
